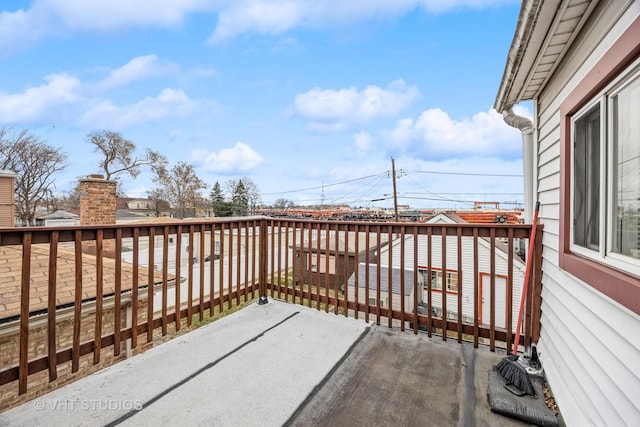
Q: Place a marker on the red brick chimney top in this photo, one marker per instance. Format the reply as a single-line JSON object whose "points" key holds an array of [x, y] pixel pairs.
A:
{"points": [[97, 200]]}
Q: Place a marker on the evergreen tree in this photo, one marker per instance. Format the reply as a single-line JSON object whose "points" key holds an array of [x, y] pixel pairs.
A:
{"points": [[221, 207], [240, 200]]}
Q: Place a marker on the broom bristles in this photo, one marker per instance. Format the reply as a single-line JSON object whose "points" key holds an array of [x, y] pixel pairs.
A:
{"points": [[515, 374]]}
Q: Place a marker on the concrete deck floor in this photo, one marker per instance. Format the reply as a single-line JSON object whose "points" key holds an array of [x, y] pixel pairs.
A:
{"points": [[281, 364]]}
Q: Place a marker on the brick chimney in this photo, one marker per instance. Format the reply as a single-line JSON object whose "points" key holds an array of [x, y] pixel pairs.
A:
{"points": [[7, 198], [97, 200]]}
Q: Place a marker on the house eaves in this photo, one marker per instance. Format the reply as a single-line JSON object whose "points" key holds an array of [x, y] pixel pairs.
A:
{"points": [[10, 280], [545, 31], [502, 249], [312, 247], [396, 276], [60, 214]]}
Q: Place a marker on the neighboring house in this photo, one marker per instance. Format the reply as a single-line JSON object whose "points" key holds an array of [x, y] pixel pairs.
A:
{"points": [[187, 213], [489, 217], [340, 255], [453, 279], [57, 219], [579, 63], [398, 293], [143, 207], [128, 217], [10, 279], [7, 198], [496, 217]]}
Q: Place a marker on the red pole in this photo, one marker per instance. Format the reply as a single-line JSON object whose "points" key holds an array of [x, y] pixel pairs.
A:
{"points": [[527, 273]]}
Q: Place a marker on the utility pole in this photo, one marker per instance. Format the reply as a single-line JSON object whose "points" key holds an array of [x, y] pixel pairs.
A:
{"points": [[395, 193]]}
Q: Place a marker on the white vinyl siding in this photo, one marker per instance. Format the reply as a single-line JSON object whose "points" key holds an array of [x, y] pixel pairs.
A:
{"points": [[467, 278], [589, 344]]}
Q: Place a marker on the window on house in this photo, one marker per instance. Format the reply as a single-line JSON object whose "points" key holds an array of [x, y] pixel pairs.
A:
{"points": [[373, 302], [436, 279], [606, 175], [600, 240], [586, 195]]}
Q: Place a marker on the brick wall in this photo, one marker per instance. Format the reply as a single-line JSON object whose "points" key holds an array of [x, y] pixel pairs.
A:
{"points": [[38, 384], [97, 201]]}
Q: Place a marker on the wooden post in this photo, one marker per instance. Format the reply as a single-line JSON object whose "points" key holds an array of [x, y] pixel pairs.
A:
{"points": [[263, 262]]}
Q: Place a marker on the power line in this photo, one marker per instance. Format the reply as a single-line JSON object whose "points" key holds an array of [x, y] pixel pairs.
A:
{"points": [[402, 173], [470, 202], [321, 186], [365, 192], [466, 192], [469, 174]]}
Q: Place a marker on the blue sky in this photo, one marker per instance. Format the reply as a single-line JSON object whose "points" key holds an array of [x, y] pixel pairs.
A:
{"points": [[309, 99]]}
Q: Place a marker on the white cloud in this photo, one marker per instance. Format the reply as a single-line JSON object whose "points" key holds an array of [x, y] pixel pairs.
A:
{"points": [[362, 144], [443, 6], [240, 157], [66, 97], [339, 108], [139, 68], [201, 72], [437, 134], [257, 16], [22, 28], [168, 103], [102, 15], [37, 103], [278, 16], [402, 135]]}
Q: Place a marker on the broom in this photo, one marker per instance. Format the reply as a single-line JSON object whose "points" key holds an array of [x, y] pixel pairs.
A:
{"points": [[509, 367]]}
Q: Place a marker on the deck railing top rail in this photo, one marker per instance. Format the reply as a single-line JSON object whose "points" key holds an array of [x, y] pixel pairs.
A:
{"points": [[83, 289]]}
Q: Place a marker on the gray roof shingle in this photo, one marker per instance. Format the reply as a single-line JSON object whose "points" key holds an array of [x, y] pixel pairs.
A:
{"points": [[384, 279]]}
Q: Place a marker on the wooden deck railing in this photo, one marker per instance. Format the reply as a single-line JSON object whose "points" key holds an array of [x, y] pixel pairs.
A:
{"points": [[84, 294]]}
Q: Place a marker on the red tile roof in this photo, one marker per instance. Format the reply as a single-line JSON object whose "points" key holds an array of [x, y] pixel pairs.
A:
{"points": [[490, 217]]}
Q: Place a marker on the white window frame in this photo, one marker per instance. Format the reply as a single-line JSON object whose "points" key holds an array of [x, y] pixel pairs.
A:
{"points": [[449, 279], [604, 252]]}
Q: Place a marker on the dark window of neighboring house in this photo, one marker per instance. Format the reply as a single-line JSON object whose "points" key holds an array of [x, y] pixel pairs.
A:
{"points": [[606, 175]]}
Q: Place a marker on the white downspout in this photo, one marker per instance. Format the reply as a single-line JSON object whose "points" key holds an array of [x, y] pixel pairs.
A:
{"points": [[528, 155], [529, 160]]}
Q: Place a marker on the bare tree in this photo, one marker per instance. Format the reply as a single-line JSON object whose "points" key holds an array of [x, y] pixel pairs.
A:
{"points": [[179, 186], [250, 189], [118, 155], [35, 163], [156, 197], [68, 200], [283, 204]]}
